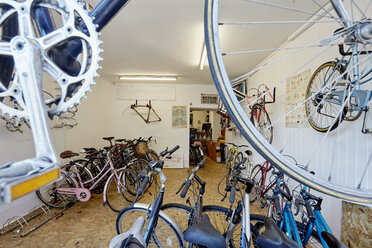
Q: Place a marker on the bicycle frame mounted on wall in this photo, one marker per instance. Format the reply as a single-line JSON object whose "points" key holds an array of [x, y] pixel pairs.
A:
{"points": [[149, 106]]}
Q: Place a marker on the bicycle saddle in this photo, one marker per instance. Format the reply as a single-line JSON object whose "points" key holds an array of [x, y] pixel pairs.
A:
{"points": [[248, 152], [274, 237], [132, 239], [68, 154], [108, 138], [204, 234], [332, 241]]}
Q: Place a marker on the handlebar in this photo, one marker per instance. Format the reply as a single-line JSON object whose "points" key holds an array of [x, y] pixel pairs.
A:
{"points": [[143, 185], [186, 185], [232, 195], [166, 152]]}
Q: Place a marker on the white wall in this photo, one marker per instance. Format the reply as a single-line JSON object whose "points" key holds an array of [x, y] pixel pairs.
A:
{"points": [[127, 124]]}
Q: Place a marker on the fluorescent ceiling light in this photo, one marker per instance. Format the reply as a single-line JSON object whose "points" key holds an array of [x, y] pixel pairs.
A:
{"points": [[203, 58], [148, 77]]}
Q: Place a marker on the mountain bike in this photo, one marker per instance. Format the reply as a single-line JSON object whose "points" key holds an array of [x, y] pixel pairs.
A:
{"points": [[311, 38], [119, 191], [161, 231]]}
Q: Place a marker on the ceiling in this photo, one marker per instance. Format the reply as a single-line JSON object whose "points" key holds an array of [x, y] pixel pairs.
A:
{"points": [[152, 37]]}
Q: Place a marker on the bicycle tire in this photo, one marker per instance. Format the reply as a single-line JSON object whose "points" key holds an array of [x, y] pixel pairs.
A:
{"points": [[167, 233], [256, 176], [221, 216], [179, 213], [118, 196], [262, 122], [152, 155], [90, 165], [322, 182], [322, 122], [50, 197]]}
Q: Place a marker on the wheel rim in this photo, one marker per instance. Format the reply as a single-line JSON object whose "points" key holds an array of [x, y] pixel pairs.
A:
{"points": [[239, 117]]}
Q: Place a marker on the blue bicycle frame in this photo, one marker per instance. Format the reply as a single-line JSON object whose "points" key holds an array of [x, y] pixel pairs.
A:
{"points": [[315, 217], [287, 219]]}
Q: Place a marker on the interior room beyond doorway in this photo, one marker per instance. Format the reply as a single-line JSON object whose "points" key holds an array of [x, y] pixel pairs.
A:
{"points": [[205, 128]]}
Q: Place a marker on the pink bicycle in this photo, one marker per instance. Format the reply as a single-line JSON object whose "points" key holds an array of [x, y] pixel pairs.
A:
{"points": [[119, 191]]}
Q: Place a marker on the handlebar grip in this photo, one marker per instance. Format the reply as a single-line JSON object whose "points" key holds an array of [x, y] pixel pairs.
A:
{"points": [[174, 149], [142, 188], [278, 209], [309, 210], [201, 164], [185, 188], [232, 195]]}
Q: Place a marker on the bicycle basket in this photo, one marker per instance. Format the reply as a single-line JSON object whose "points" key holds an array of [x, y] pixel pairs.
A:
{"points": [[141, 149]]}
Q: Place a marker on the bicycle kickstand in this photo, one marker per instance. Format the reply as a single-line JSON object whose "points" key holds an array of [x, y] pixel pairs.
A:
{"points": [[364, 129]]}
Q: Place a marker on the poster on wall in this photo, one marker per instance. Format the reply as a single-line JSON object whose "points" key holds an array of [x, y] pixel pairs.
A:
{"points": [[175, 162], [295, 94], [179, 116], [209, 98]]}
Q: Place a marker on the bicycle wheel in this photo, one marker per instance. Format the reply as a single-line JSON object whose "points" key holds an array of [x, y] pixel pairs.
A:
{"points": [[165, 234], [221, 220], [90, 165], [121, 195], [179, 213], [256, 177], [324, 115], [52, 198], [152, 155], [261, 120], [341, 164]]}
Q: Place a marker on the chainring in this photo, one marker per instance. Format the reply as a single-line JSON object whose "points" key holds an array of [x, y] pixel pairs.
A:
{"points": [[69, 46]]}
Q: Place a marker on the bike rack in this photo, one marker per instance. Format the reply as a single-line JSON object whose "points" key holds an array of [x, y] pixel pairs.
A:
{"points": [[149, 106], [32, 220]]}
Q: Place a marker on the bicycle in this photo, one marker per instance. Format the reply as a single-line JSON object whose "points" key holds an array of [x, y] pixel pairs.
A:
{"points": [[197, 227], [313, 16], [261, 187], [259, 115], [120, 187], [234, 157], [157, 223]]}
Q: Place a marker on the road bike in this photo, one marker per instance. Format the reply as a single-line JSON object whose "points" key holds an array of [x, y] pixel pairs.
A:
{"points": [[336, 72], [160, 231], [259, 115], [314, 29], [119, 190]]}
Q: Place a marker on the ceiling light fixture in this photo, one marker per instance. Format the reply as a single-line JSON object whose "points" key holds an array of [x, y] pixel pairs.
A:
{"points": [[148, 78], [203, 58]]}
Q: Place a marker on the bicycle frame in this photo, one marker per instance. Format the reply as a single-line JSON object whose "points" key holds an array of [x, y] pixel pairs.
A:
{"points": [[318, 221], [287, 219], [155, 209], [264, 189]]}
